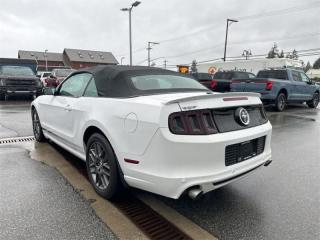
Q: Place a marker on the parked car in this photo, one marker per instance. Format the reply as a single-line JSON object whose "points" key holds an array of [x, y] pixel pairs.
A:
{"points": [[281, 86], [43, 78], [154, 129], [204, 78], [57, 76], [20, 80], [221, 80]]}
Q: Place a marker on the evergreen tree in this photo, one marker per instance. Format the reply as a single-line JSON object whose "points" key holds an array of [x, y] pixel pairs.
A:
{"points": [[274, 52], [281, 55], [307, 67], [194, 67], [294, 54], [316, 64]]}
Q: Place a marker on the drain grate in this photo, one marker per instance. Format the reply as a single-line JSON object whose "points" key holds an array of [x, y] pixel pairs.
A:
{"points": [[150, 222], [16, 140]]}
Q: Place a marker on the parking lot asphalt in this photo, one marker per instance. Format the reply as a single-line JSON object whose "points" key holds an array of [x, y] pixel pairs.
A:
{"points": [[38, 203], [281, 201]]}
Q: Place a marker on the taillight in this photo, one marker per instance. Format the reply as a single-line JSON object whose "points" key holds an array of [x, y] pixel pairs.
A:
{"points": [[268, 85], [213, 84], [192, 123]]}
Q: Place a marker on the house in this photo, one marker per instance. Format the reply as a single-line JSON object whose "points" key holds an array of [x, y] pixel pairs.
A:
{"points": [[46, 61], [78, 58]]}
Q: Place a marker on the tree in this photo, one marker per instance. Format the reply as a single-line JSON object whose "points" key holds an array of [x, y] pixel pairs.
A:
{"points": [[274, 51], [295, 54], [281, 55], [316, 64], [194, 67], [307, 67]]}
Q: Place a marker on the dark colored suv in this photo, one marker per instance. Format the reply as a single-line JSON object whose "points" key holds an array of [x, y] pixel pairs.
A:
{"points": [[18, 80]]}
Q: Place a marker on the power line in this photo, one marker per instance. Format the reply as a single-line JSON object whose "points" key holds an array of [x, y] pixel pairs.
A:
{"points": [[283, 11]]}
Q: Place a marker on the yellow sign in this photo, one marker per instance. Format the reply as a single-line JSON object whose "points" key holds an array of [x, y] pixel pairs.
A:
{"points": [[183, 69]]}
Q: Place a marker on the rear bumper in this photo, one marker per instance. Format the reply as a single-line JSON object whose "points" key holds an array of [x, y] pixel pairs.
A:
{"points": [[174, 163]]}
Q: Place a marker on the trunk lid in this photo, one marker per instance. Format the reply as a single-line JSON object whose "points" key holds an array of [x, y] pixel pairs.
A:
{"points": [[249, 85]]}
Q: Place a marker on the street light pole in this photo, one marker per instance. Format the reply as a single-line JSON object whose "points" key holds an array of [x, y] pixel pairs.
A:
{"points": [[35, 58], [226, 39], [121, 60], [135, 4], [46, 59], [149, 49]]}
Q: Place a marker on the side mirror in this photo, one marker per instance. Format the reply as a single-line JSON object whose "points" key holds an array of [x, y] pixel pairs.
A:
{"points": [[49, 91]]}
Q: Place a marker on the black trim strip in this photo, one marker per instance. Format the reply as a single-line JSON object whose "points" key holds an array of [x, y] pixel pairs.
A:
{"points": [[237, 176]]}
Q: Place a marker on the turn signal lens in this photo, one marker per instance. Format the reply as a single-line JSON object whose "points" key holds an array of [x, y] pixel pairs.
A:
{"points": [[192, 123]]}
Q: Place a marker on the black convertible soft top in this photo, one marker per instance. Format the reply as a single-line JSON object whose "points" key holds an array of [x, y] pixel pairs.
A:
{"points": [[115, 80]]}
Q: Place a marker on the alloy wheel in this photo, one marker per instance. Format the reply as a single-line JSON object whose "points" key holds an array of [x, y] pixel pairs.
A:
{"points": [[36, 124], [99, 167]]}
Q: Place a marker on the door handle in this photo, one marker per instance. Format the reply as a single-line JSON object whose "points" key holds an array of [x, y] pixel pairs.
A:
{"points": [[67, 108]]}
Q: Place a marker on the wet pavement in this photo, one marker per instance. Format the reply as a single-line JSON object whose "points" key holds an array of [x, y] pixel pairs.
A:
{"points": [[281, 201], [36, 202], [15, 119]]}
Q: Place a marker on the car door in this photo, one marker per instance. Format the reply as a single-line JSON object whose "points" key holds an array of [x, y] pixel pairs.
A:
{"points": [[298, 87], [61, 114], [309, 87]]}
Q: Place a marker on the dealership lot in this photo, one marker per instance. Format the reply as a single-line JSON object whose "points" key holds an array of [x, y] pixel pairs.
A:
{"points": [[280, 202]]}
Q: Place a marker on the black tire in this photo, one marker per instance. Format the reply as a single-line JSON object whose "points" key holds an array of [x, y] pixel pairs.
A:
{"points": [[281, 101], [102, 167], [1, 96], [36, 126], [315, 101]]}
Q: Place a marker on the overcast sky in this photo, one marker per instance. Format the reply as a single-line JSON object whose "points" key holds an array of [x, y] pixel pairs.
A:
{"points": [[186, 30]]}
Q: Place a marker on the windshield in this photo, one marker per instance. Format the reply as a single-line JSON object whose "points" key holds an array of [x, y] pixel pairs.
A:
{"points": [[166, 82], [16, 71], [63, 72], [276, 74]]}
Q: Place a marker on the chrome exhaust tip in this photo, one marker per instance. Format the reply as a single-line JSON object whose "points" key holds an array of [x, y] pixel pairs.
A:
{"points": [[195, 193]]}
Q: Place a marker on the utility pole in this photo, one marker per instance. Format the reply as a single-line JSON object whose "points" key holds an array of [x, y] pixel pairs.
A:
{"points": [[226, 40], [149, 49], [165, 63], [135, 4]]}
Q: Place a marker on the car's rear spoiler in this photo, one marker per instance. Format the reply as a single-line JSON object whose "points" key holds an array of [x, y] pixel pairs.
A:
{"points": [[231, 96]]}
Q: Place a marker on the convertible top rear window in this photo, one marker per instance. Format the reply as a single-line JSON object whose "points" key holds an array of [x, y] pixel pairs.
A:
{"points": [[158, 82]]}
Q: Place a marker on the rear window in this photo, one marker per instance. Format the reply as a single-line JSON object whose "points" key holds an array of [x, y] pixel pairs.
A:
{"points": [[223, 75], [202, 76], [63, 72], [165, 82], [276, 74]]}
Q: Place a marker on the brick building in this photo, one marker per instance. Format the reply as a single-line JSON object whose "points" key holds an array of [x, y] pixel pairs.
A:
{"points": [[70, 58], [77, 58], [54, 60]]}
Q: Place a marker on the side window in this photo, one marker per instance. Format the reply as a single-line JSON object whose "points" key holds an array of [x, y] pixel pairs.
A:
{"points": [[251, 75], [75, 85], [304, 77], [91, 90], [296, 76]]}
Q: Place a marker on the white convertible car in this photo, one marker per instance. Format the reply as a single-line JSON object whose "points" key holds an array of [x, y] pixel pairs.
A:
{"points": [[154, 129]]}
